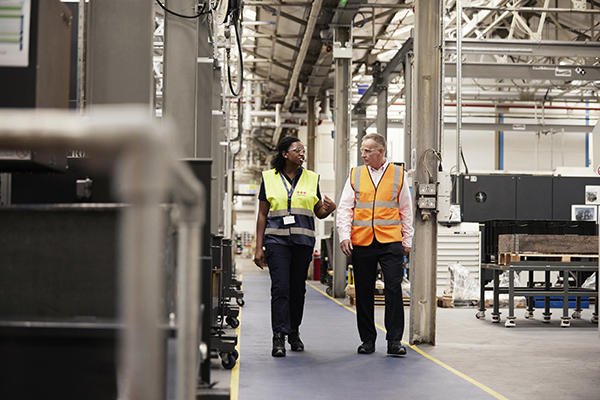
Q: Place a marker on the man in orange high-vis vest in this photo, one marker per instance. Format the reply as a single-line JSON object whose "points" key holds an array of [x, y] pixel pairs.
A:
{"points": [[374, 223]]}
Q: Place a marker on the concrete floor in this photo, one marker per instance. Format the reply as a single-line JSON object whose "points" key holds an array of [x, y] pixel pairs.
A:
{"points": [[472, 359]]}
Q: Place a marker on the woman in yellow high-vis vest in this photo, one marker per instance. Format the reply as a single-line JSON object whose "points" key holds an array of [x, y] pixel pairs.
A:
{"points": [[285, 237]]}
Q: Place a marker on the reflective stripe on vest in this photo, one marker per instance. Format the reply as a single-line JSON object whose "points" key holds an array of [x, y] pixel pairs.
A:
{"points": [[304, 199], [376, 208]]}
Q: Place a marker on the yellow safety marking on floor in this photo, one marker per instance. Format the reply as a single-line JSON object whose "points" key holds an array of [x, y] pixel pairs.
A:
{"points": [[325, 294], [415, 348], [234, 385]]}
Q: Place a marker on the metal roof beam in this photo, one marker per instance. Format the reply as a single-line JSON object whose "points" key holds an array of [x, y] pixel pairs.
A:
{"points": [[517, 128], [520, 127], [532, 9], [264, 78], [526, 71], [391, 68], [308, 33], [293, 18], [276, 63], [530, 48], [260, 3]]}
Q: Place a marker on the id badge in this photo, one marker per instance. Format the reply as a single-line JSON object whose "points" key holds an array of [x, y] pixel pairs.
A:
{"points": [[288, 220]]}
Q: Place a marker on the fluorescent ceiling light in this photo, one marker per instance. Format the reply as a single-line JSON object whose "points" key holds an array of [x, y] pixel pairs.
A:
{"points": [[249, 23]]}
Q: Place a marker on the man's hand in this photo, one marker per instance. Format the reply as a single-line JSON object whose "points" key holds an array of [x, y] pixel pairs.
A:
{"points": [[406, 250], [346, 247]]}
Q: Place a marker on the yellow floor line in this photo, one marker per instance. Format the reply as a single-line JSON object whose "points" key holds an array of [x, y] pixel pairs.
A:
{"points": [[415, 348]]}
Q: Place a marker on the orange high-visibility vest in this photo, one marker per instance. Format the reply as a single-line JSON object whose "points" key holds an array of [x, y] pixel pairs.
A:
{"points": [[376, 208]]}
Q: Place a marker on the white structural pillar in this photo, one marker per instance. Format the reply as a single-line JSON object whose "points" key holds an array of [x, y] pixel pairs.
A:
{"points": [[408, 83], [382, 107], [204, 80], [361, 131], [426, 78], [311, 125], [343, 59], [180, 71], [119, 71]]}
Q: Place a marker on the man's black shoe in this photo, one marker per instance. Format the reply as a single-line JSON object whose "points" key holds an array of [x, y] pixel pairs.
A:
{"points": [[278, 345], [367, 347], [295, 342], [396, 348]]}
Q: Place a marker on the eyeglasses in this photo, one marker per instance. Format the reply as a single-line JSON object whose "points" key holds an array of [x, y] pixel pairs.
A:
{"points": [[368, 151], [298, 150]]}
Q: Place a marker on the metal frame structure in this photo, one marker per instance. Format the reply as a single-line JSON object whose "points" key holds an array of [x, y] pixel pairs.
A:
{"points": [[547, 291], [147, 176], [513, 52]]}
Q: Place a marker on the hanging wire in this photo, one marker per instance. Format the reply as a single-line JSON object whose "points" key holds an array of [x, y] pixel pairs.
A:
{"points": [[437, 155], [202, 12], [235, 20]]}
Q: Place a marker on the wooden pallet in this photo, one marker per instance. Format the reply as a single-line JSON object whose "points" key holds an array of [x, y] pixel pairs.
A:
{"points": [[446, 301], [547, 244], [507, 258]]}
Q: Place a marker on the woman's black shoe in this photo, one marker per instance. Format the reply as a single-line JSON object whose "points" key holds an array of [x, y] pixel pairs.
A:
{"points": [[278, 345], [295, 342]]}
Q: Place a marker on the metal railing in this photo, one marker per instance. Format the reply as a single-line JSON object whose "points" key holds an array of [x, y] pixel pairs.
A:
{"points": [[127, 142]]}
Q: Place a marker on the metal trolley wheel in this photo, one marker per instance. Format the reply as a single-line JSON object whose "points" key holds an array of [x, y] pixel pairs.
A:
{"points": [[229, 359], [232, 322]]}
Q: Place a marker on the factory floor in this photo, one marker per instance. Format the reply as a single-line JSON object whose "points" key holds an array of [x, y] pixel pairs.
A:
{"points": [[472, 359]]}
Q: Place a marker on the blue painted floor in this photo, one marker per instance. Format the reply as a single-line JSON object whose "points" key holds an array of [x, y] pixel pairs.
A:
{"points": [[330, 368]]}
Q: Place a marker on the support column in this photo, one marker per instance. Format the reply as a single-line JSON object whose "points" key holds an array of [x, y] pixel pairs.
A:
{"points": [[408, 130], [382, 106], [342, 134], [499, 139], [311, 125], [218, 155], [427, 102], [120, 71], [180, 71], [204, 84], [361, 131]]}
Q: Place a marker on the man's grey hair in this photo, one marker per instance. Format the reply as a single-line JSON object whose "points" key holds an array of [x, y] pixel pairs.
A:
{"points": [[377, 138]]}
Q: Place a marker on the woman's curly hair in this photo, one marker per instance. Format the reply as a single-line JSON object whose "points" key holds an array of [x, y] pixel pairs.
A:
{"points": [[278, 162]]}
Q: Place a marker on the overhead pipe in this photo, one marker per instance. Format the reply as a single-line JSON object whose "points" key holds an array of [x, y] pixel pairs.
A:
{"points": [[506, 105], [278, 115], [272, 125], [284, 115]]}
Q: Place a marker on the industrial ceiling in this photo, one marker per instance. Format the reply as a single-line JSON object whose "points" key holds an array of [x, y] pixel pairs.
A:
{"points": [[518, 57], [518, 51]]}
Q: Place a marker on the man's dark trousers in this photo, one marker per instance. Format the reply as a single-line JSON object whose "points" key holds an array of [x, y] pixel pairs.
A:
{"points": [[390, 257]]}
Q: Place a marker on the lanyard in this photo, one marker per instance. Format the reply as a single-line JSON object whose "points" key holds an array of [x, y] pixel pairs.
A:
{"points": [[290, 191]]}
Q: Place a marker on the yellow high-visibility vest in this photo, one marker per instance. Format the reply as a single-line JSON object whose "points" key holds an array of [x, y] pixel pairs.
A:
{"points": [[303, 201]]}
